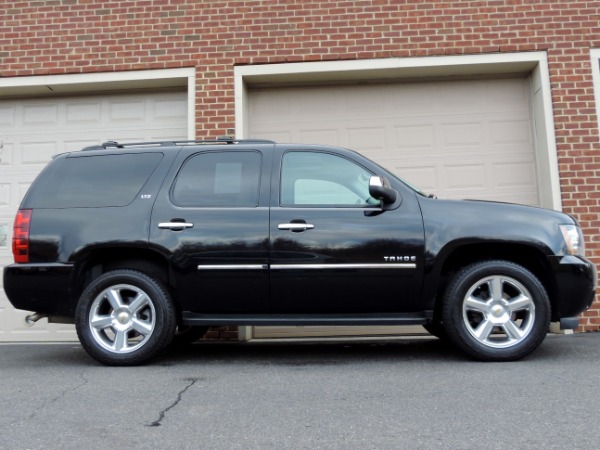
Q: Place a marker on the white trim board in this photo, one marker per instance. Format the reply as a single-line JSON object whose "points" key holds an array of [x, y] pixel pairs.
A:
{"points": [[595, 57]]}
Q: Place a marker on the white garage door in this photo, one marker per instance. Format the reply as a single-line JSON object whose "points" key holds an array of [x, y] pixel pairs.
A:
{"points": [[456, 139], [32, 130]]}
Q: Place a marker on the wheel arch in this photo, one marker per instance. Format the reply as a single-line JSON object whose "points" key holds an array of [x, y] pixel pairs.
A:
{"points": [[100, 261], [527, 256]]}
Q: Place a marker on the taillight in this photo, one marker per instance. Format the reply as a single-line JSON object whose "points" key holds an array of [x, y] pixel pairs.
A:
{"points": [[20, 242]]}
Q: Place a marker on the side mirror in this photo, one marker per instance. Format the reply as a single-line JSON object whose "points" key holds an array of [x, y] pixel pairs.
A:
{"points": [[380, 189]]}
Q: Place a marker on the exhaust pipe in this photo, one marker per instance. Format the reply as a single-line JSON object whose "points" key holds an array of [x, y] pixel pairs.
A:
{"points": [[31, 319]]}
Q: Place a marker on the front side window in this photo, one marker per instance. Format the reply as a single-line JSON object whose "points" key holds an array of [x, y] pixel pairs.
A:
{"points": [[323, 179], [218, 179]]}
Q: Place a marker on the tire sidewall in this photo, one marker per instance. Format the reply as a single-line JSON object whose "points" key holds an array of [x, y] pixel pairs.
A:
{"points": [[165, 318], [453, 311]]}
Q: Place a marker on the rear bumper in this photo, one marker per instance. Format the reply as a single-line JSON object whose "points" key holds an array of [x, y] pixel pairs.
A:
{"points": [[576, 283], [42, 288]]}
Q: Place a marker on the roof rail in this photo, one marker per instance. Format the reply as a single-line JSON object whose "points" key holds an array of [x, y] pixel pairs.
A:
{"points": [[174, 143]]}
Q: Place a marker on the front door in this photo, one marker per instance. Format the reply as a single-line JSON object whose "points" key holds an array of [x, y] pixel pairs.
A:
{"points": [[212, 217], [333, 249]]}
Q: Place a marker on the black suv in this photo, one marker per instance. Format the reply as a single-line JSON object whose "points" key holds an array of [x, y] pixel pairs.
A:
{"points": [[143, 244]]}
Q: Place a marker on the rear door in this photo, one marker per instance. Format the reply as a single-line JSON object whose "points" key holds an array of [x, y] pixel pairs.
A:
{"points": [[211, 217]]}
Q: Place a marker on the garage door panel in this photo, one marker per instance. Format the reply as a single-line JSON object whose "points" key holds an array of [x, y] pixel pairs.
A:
{"points": [[5, 190], [463, 134], [512, 133], [425, 177], [318, 136], [33, 130], [465, 176], [41, 115], [82, 113], [13, 328], [461, 97], [353, 105], [415, 102], [507, 95], [262, 106], [499, 178], [515, 175], [37, 153], [320, 103], [418, 138], [279, 136], [173, 110], [7, 115], [6, 152], [127, 112], [4, 240], [78, 143], [369, 138]]}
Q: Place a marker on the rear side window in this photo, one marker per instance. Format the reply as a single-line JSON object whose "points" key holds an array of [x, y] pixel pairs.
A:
{"points": [[226, 179], [93, 181]]}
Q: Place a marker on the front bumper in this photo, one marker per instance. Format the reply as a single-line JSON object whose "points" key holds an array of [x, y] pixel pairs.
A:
{"points": [[576, 283], [43, 288]]}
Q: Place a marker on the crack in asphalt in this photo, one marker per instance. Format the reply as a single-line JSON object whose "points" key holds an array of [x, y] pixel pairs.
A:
{"points": [[47, 402], [60, 396], [157, 423]]}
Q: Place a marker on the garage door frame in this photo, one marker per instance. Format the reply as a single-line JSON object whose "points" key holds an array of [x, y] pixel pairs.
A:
{"points": [[532, 64], [595, 57]]}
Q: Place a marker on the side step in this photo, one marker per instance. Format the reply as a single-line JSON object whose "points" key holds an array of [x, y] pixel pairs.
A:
{"points": [[198, 319]]}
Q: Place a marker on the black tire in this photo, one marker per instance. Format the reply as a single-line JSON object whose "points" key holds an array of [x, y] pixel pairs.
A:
{"points": [[124, 318], [496, 311], [187, 335]]}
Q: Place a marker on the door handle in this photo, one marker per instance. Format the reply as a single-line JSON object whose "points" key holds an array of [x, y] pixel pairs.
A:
{"points": [[175, 225], [295, 226]]}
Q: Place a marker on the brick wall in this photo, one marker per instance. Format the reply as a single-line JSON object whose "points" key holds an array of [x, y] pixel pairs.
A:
{"points": [[70, 36]]}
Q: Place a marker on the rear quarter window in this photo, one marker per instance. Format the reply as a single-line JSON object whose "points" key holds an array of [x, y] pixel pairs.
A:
{"points": [[93, 181]]}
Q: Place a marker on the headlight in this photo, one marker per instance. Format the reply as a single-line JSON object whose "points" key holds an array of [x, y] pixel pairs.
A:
{"points": [[573, 239]]}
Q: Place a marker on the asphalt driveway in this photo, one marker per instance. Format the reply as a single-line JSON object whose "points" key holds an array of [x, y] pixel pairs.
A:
{"points": [[402, 393]]}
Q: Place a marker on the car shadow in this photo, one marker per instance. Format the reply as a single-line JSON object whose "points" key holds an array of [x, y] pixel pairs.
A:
{"points": [[300, 353], [303, 353]]}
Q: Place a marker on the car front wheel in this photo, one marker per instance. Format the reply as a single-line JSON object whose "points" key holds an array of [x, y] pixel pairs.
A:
{"points": [[125, 317], [496, 311]]}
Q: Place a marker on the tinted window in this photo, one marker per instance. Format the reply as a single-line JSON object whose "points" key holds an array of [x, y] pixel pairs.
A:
{"points": [[323, 179], [94, 181], [218, 179]]}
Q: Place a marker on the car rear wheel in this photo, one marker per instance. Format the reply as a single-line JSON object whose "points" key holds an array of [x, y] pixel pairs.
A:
{"points": [[496, 311], [125, 317]]}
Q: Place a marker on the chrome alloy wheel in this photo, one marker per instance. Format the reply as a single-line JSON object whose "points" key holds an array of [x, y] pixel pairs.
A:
{"points": [[498, 311], [122, 318]]}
